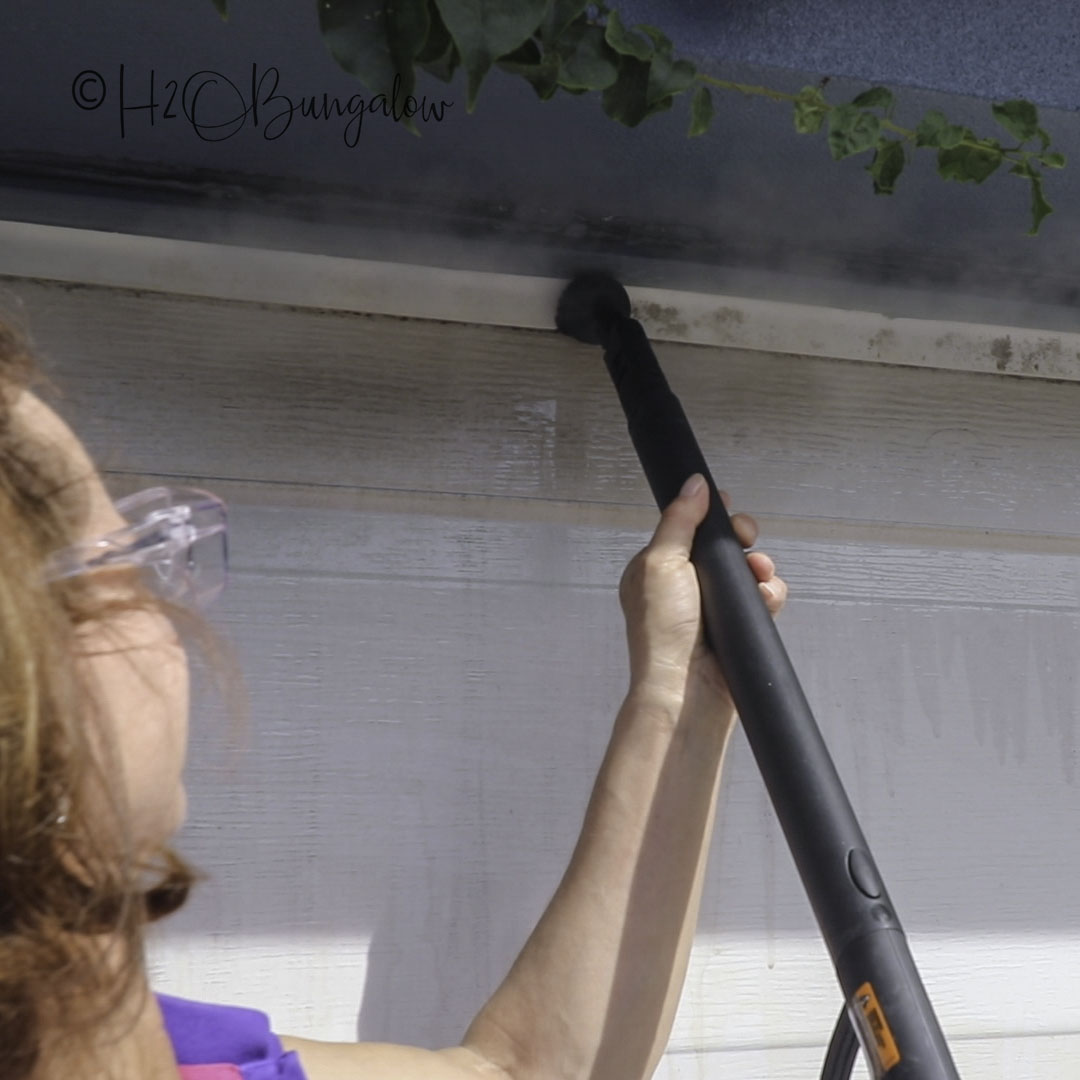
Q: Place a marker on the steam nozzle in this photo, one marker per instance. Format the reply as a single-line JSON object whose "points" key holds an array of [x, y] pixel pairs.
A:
{"points": [[590, 305]]}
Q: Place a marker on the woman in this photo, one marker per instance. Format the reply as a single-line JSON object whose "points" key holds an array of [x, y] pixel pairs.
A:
{"points": [[93, 732]]}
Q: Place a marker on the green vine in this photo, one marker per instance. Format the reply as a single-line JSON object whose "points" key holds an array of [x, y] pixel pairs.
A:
{"points": [[578, 47]]}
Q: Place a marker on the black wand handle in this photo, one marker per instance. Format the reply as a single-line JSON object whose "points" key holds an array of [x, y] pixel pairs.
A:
{"points": [[886, 1000]]}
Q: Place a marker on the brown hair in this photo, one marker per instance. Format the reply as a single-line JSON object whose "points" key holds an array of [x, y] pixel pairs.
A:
{"points": [[66, 885]]}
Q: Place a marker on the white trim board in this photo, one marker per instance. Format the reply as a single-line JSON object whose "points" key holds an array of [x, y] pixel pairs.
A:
{"points": [[260, 275]]}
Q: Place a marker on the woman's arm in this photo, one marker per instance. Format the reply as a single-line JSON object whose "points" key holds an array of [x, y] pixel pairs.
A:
{"points": [[594, 992]]}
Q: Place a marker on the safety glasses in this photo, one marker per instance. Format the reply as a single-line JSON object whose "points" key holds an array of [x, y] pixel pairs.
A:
{"points": [[177, 536]]}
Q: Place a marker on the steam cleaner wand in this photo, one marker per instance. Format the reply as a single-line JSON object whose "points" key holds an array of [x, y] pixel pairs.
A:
{"points": [[885, 1002]]}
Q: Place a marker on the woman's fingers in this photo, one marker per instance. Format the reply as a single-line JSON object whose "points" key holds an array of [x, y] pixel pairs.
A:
{"points": [[744, 525], [764, 568], [675, 531], [675, 535], [745, 529], [773, 589], [775, 594], [668, 554], [680, 520]]}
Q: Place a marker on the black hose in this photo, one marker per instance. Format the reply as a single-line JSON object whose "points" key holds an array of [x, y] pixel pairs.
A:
{"points": [[843, 1049], [862, 932]]}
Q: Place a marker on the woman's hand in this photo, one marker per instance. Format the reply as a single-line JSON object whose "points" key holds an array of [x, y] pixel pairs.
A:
{"points": [[661, 600]]}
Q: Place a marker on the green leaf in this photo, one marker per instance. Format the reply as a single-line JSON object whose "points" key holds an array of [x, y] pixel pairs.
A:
{"points": [[222, 7], [407, 23], [811, 108], [560, 15], [1053, 160], [887, 165], [662, 42], [970, 163], [1018, 117], [588, 62], [624, 41], [484, 30], [851, 131], [953, 135], [1039, 206], [439, 55], [877, 97], [443, 66], [701, 112], [356, 34], [663, 105], [935, 130], [667, 77], [625, 100], [376, 41], [1044, 137], [930, 128], [541, 72]]}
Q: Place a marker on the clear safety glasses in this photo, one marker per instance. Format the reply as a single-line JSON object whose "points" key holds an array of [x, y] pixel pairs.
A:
{"points": [[177, 536]]}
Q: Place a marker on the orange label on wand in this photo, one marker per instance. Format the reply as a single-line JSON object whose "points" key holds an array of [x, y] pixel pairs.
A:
{"points": [[878, 1035]]}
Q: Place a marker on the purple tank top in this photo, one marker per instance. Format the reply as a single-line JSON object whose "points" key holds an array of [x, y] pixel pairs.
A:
{"points": [[225, 1042]]}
